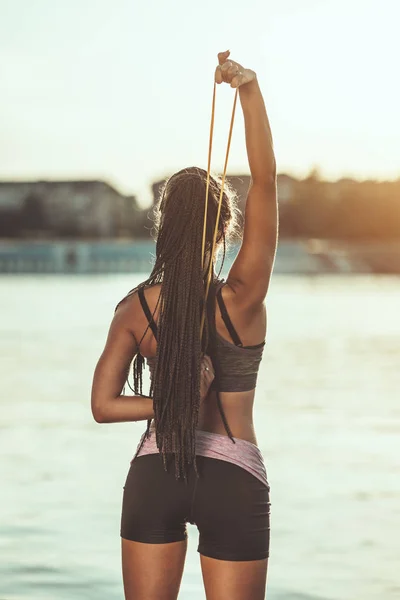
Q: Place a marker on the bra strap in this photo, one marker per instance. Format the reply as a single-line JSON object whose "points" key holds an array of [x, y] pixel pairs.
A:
{"points": [[147, 312], [227, 320]]}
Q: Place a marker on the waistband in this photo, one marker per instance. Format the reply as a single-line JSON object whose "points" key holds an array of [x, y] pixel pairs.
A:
{"points": [[242, 453]]}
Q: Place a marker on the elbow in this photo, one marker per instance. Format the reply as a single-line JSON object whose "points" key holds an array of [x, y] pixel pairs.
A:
{"points": [[266, 180], [99, 418], [99, 414]]}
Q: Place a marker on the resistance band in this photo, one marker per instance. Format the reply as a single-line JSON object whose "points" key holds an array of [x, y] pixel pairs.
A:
{"points": [[203, 248]]}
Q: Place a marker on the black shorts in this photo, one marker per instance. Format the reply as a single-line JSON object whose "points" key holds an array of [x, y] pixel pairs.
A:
{"points": [[229, 505]]}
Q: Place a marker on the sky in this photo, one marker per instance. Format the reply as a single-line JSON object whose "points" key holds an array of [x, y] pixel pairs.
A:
{"points": [[121, 89]]}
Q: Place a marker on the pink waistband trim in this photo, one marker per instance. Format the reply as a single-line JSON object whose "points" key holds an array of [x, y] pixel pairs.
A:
{"points": [[244, 454]]}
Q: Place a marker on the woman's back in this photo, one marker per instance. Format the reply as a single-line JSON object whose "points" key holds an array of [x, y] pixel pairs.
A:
{"points": [[239, 364]]}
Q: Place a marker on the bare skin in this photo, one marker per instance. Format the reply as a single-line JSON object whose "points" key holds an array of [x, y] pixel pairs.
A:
{"points": [[154, 571]]}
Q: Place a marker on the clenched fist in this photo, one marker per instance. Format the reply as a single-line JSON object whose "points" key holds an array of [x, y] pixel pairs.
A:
{"points": [[229, 71]]}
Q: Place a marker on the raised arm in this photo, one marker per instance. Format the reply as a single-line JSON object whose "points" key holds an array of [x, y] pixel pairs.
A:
{"points": [[251, 271]]}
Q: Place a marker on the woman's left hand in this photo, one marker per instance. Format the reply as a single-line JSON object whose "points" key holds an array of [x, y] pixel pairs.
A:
{"points": [[207, 375], [230, 71]]}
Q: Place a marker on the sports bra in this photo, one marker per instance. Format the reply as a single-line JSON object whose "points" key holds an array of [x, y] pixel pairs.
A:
{"points": [[238, 365]]}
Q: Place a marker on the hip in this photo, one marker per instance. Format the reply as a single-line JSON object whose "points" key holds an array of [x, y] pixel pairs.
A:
{"points": [[242, 453]]}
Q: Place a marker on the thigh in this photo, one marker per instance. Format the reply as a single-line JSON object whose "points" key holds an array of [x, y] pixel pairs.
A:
{"points": [[234, 580], [152, 571], [153, 530]]}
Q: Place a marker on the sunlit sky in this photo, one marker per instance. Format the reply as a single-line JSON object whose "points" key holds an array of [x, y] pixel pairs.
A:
{"points": [[121, 89]]}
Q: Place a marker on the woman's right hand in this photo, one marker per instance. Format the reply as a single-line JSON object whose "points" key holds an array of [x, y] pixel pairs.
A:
{"points": [[232, 72], [206, 377]]}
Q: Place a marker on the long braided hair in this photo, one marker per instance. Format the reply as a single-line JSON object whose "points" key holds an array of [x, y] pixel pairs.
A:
{"points": [[175, 386]]}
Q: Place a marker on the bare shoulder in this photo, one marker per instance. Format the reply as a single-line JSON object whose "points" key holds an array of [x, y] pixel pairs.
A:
{"points": [[126, 313], [152, 294], [130, 313], [131, 301], [236, 300], [248, 318]]}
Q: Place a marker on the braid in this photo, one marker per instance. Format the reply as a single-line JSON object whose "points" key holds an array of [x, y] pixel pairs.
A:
{"points": [[175, 386]]}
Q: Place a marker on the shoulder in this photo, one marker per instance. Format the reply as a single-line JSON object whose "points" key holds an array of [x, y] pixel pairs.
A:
{"points": [[129, 311], [235, 295], [131, 300], [248, 318], [152, 294]]}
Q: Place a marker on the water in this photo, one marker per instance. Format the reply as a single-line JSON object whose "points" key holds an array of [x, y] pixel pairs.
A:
{"points": [[328, 424]]}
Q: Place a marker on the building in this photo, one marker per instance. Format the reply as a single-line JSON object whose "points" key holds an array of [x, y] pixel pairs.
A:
{"points": [[81, 209]]}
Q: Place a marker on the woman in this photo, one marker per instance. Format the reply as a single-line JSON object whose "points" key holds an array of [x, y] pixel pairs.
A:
{"points": [[198, 460]]}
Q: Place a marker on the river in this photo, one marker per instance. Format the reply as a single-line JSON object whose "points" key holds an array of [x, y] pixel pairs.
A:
{"points": [[327, 419]]}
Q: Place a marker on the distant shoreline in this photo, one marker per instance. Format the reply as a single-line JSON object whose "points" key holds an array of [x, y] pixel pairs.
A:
{"points": [[126, 256]]}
